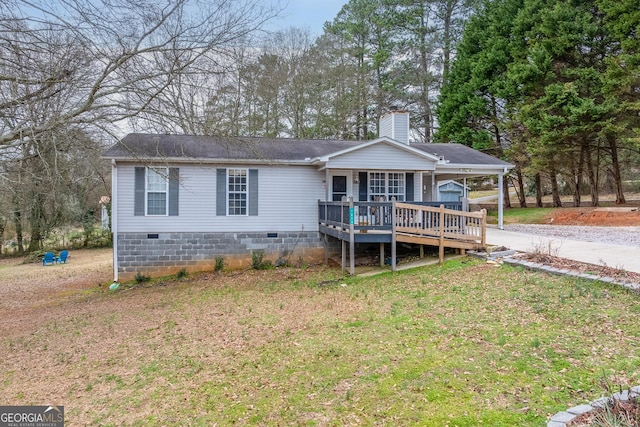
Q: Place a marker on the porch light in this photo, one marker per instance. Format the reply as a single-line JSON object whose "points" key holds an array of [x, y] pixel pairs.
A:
{"points": [[356, 178]]}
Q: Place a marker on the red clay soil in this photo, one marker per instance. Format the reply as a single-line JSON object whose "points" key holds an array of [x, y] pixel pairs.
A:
{"points": [[603, 217]]}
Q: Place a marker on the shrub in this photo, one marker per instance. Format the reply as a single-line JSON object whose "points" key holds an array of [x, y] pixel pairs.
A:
{"points": [[219, 264], [141, 278], [182, 273], [257, 263]]}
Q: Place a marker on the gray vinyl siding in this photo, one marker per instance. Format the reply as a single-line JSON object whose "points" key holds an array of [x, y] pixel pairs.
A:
{"points": [[287, 199], [395, 126], [381, 157], [386, 127], [401, 129]]}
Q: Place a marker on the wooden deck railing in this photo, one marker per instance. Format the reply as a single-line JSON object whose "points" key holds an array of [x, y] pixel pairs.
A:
{"points": [[440, 222], [424, 223], [368, 215]]}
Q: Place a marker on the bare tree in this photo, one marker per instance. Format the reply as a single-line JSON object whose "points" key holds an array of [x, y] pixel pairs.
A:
{"points": [[105, 61], [74, 72]]}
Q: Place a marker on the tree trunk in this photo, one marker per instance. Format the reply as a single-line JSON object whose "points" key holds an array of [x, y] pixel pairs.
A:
{"points": [[555, 194], [446, 36], [505, 193], [424, 95], [538, 180], [615, 170], [577, 186], [593, 181], [521, 196], [17, 220], [2, 226], [35, 222]]}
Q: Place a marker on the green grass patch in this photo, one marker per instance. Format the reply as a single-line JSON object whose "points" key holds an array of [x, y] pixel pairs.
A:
{"points": [[462, 344], [522, 215], [482, 193]]}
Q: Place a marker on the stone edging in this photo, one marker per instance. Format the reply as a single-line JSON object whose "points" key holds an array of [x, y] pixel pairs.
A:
{"points": [[573, 273], [562, 418]]}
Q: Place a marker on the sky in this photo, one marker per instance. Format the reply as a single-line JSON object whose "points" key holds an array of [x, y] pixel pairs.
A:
{"points": [[311, 14]]}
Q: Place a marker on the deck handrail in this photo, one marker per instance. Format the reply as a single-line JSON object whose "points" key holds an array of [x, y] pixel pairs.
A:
{"points": [[405, 222], [440, 222], [367, 215]]}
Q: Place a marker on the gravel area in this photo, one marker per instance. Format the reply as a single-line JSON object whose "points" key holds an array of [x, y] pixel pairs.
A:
{"points": [[625, 236]]}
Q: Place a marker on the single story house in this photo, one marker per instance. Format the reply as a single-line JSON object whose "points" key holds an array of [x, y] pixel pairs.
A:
{"points": [[180, 201]]}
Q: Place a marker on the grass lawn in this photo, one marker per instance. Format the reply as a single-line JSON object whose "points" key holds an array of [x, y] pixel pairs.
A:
{"points": [[463, 344], [521, 215]]}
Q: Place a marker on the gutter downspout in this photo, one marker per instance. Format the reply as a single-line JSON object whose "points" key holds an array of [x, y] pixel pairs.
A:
{"points": [[114, 217]]}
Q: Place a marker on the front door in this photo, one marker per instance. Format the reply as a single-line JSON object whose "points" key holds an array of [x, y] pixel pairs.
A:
{"points": [[338, 187]]}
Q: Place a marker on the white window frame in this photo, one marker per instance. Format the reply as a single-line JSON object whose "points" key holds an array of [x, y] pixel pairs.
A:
{"points": [[243, 190], [378, 180], [162, 172]]}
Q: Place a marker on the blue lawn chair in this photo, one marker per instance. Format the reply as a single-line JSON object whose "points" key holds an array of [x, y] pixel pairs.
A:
{"points": [[62, 259], [48, 259]]}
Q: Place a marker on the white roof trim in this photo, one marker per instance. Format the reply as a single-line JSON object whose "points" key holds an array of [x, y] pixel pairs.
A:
{"points": [[446, 181], [201, 161], [384, 140], [462, 168]]}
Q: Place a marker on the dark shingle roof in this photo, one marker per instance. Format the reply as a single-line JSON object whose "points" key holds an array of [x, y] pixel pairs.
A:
{"points": [[151, 146], [460, 154], [138, 145]]}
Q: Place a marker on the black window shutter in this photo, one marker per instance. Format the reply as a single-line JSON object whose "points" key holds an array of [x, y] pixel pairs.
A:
{"points": [[409, 187], [363, 177], [139, 193], [253, 192], [174, 191], [221, 192]]}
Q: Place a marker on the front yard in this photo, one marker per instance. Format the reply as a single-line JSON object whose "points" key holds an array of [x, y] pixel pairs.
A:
{"points": [[464, 344]]}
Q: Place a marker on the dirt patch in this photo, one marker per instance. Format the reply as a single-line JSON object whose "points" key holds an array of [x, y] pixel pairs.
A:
{"points": [[604, 217], [31, 291]]}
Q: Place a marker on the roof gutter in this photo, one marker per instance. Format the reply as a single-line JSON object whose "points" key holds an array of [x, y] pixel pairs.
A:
{"points": [[199, 161]]}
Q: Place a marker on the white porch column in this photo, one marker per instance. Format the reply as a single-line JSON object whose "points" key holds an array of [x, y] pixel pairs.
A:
{"points": [[500, 201], [434, 193]]}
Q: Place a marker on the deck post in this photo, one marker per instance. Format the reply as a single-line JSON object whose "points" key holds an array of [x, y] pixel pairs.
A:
{"points": [[441, 236], [352, 243], [344, 255], [381, 254], [421, 251], [393, 234], [483, 224], [325, 241]]}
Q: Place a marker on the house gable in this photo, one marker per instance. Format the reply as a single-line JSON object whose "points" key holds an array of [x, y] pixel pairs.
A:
{"points": [[382, 154]]}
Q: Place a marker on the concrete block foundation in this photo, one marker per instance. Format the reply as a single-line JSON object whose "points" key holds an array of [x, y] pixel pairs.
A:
{"points": [[160, 254]]}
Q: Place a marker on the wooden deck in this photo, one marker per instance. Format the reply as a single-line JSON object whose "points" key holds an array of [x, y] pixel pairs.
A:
{"points": [[423, 223]]}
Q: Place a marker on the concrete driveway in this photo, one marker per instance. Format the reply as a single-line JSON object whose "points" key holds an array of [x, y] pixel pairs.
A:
{"points": [[616, 256]]}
